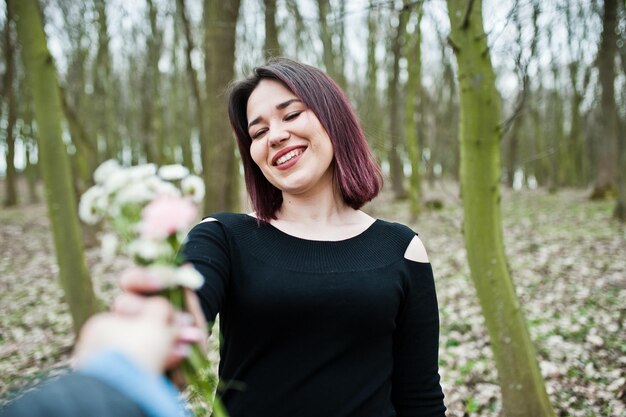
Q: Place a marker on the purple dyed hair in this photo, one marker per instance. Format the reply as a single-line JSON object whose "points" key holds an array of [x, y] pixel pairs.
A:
{"points": [[356, 174]]}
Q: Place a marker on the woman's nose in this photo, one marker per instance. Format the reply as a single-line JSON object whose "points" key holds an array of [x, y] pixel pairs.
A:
{"points": [[277, 135]]}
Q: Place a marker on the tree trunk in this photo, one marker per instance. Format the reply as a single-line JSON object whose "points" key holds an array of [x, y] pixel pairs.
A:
{"points": [[271, 46], [414, 111], [219, 164], [372, 120], [395, 153], [155, 47], [193, 80], [556, 135], [620, 206], [9, 92], [332, 61], [539, 166], [31, 170], [86, 154], [523, 390], [103, 91], [604, 185], [152, 106], [54, 161], [181, 121]]}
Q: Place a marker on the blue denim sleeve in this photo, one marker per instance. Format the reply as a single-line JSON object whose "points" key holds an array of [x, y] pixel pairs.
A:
{"points": [[154, 394]]}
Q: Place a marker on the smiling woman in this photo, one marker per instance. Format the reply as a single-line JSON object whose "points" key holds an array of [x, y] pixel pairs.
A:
{"points": [[324, 310], [355, 173]]}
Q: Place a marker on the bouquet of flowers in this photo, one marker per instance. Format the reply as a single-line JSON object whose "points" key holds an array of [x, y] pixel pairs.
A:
{"points": [[146, 212]]}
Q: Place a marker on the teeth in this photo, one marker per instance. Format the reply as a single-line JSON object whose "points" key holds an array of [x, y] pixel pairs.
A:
{"points": [[288, 156]]}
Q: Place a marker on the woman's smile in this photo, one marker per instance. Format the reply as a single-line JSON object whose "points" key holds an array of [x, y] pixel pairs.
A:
{"points": [[287, 157]]}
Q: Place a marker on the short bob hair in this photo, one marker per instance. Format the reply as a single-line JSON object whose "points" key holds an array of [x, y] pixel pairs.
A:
{"points": [[356, 174]]}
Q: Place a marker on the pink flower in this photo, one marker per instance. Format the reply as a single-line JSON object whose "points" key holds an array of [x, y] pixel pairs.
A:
{"points": [[165, 215]]}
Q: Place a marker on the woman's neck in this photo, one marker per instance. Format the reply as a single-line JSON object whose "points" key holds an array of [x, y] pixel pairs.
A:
{"points": [[322, 208]]}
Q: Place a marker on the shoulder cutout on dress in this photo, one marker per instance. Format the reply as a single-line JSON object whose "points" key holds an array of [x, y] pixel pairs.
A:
{"points": [[416, 251], [208, 219]]}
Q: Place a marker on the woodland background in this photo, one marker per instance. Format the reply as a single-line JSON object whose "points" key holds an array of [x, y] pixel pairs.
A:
{"points": [[143, 81]]}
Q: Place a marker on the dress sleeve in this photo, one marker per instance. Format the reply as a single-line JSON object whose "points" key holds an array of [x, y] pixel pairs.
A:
{"points": [[416, 391], [207, 249]]}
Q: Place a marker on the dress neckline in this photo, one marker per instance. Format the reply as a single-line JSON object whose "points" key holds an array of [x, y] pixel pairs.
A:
{"points": [[281, 232]]}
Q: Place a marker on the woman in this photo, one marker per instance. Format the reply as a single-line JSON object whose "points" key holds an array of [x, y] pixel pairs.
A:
{"points": [[324, 310]]}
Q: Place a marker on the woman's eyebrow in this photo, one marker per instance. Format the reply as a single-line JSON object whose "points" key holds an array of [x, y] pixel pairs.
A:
{"points": [[279, 106], [287, 103]]}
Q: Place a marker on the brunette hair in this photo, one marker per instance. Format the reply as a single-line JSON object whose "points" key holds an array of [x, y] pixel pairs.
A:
{"points": [[356, 174]]}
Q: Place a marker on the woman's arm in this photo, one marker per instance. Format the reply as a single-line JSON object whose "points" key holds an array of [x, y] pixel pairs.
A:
{"points": [[415, 381]]}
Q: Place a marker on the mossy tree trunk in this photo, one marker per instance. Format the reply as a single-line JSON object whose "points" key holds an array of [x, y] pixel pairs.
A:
{"points": [[414, 110], [31, 168], [219, 164], [103, 89], [42, 79], [8, 92], [155, 50], [193, 78], [620, 206], [86, 153], [271, 45], [606, 161], [522, 387], [182, 118], [371, 117], [333, 59], [556, 136], [396, 169]]}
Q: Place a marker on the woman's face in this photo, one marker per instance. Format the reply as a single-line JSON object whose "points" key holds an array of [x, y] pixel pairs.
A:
{"points": [[289, 144]]}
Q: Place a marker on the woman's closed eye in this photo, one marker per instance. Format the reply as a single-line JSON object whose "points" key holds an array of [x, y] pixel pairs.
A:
{"points": [[258, 133], [289, 117], [293, 115]]}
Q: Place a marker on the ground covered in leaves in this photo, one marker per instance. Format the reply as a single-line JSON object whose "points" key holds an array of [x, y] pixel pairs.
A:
{"points": [[568, 261]]}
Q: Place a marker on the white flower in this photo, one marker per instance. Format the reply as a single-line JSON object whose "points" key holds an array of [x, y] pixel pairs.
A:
{"points": [[159, 187], [147, 250], [115, 181], [105, 170], [171, 276], [108, 247], [135, 192], [193, 186], [92, 205], [188, 276], [140, 172], [173, 172]]}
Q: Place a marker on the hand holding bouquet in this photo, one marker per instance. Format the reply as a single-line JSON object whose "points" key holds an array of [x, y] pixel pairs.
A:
{"points": [[146, 212]]}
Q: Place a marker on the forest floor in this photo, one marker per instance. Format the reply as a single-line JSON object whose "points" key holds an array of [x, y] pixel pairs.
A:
{"points": [[568, 262]]}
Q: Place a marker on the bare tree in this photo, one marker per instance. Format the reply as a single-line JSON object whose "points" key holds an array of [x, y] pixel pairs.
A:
{"points": [[393, 92], [272, 47], [42, 79], [414, 109], [219, 164], [606, 150], [521, 383], [8, 85]]}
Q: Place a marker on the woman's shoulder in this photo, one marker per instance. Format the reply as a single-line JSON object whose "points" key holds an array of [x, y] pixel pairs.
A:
{"points": [[414, 249], [221, 225], [228, 219]]}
